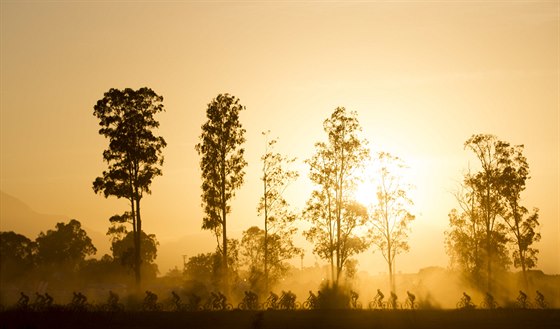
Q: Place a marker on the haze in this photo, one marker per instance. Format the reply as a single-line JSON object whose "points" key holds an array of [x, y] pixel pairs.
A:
{"points": [[423, 77]]}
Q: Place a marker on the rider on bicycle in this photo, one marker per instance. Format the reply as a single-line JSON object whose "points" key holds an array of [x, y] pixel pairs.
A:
{"points": [[540, 299], [23, 300], [354, 298], [522, 298], [466, 298], [411, 298]]}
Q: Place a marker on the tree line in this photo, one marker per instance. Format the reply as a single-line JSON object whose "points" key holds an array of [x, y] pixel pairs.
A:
{"points": [[489, 229], [60, 258]]}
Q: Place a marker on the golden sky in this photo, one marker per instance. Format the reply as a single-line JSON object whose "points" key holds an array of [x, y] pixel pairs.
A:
{"points": [[422, 75]]}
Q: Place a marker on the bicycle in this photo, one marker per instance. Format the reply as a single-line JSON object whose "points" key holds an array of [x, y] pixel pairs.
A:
{"points": [[23, 302], [377, 303], [522, 301], [112, 304], [488, 302], [465, 303], [393, 302], [354, 303], [540, 302], [150, 302], [410, 302], [311, 302], [249, 302], [287, 301], [271, 302]]}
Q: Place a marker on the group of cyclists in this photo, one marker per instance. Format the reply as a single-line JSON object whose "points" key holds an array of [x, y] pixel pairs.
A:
{"points": [[45, 302], [286, 301], [393, 303], [488, 301]]}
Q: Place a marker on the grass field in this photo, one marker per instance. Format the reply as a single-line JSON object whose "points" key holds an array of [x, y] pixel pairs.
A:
{"points": [[356, 319]]}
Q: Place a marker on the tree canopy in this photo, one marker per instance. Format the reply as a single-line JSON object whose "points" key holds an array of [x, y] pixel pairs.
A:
{"points": [[68, 244]]}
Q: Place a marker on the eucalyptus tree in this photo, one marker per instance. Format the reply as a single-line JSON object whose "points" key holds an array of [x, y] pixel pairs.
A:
{"points": [[335, 169], [279, 229], [487, 185], [391, 215], [492, 213], [522, 225], [463, 241], [134, 155], [222, 166]]}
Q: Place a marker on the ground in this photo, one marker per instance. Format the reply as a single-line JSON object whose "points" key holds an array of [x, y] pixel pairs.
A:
{"points": [[355, 319]]}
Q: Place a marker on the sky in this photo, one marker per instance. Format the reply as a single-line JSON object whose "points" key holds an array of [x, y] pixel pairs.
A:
{"points": [[423, 77]]}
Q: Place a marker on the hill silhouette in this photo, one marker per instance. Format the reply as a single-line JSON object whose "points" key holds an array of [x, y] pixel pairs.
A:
{"points": [[17, 216]]}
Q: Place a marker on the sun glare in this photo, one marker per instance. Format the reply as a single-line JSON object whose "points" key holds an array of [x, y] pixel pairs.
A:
{"points": [[365, 192]]}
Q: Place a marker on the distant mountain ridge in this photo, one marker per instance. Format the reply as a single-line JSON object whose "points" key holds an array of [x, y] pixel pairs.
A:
{"points": [[17, 216]]}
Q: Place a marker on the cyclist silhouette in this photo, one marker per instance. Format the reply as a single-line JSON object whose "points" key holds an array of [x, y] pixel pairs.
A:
{"points": [[540, 300], [176, 300], [411, 296], [48, 300], [23, 299]]}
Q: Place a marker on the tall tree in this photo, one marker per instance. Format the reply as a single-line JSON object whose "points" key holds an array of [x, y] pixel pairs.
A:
{"points": [[134, 156], [486, 185], [222, 164], [278, 219], [522, 225], [335, 170], [391, 215]]}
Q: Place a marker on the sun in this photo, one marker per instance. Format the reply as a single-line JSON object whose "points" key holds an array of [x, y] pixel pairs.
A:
{"points": [[366, 192]]}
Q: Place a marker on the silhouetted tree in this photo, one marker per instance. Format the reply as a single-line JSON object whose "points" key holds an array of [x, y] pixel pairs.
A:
{"points": [[391, 217], [277, 243], [200, 267], [134, 156], [522, 225], [252, 255], [123, 252], [66, 246], [17, 255], [104, 270], [333, 214], [464, 241], [222, 165], [486, 186]]}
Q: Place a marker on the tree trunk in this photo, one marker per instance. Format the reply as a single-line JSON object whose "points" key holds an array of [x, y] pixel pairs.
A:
{"points": [[134, 234], [391, 275], [521, 253], [523, 267], [225, 249], [138, 246], [489, 263], [225, 273], [265, 235]]}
